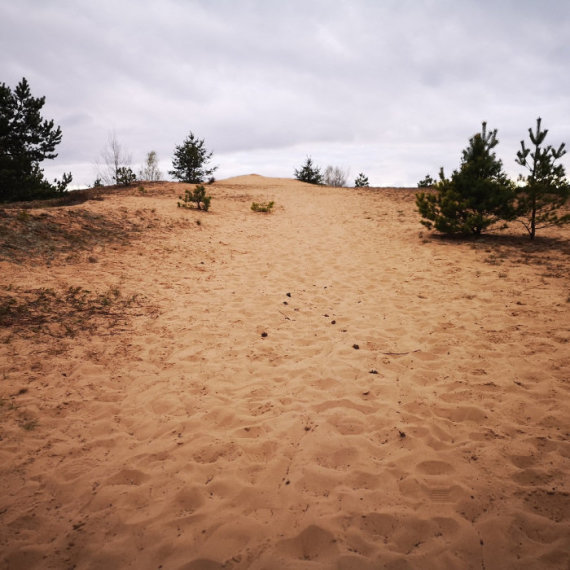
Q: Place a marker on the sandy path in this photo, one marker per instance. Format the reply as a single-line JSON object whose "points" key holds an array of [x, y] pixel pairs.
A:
{"points": [[317, 388]]}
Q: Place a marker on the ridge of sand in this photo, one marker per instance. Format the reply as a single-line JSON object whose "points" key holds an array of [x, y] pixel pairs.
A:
{"points": [[323, 387]]}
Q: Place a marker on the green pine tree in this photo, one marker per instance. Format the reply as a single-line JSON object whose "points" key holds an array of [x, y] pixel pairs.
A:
{"points": [[476, 196], [190, 159], [545, 189], [309, 173], [427, 182], [361, 181], [195, 198], [26, 139]]}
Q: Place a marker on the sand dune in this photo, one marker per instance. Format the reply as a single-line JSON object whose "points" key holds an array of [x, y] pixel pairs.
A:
{"points": [[323, 387]]}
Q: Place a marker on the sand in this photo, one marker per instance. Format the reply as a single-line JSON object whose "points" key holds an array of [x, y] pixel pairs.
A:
{"points": [[328, 386]]}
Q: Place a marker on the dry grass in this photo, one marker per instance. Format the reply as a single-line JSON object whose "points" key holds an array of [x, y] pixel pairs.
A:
{"points": [[59, 314]]}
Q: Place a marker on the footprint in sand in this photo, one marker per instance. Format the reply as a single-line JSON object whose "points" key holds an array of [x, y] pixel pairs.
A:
{"points": [[128, 477], [435, 467], [313, 543]]}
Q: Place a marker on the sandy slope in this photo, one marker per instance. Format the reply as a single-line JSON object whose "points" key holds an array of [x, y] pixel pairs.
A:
{"points": [[322, 387]]}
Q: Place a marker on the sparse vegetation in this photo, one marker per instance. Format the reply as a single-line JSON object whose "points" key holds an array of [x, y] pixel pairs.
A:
{"points": [[29, 425], [262, 206], [60, 313], [63, 233], [195, 199]]}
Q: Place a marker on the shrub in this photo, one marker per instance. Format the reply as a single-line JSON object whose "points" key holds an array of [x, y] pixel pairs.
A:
{"points": [[335, 176], [195, 198], [262, 206]]}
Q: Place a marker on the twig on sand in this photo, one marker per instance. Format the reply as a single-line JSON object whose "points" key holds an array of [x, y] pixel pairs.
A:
{"points": [[288, 318], [400, 353]]}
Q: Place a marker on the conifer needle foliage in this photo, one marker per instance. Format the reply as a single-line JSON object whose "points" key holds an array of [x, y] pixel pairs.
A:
{"points": [[26, 139], [477, 195], [195, 199], [545, 189]]}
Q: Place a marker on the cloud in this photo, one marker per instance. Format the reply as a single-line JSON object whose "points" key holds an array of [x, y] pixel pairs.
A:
{"points": [[397, 86]]}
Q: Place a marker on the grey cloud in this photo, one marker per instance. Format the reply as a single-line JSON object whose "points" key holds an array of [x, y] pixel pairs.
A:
{"points": [[395, 86]]}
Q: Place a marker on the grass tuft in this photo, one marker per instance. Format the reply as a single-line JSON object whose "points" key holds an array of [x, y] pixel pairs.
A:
{"points": [[265, 207]]}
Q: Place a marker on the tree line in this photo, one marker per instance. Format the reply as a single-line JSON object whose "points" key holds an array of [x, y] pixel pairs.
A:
{"points": [[477, 195], [332, 175], [27, 139]]}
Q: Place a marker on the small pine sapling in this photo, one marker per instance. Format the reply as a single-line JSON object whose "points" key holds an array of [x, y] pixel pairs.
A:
{"points": [[361, 181], [125, 176], [195, 198]]}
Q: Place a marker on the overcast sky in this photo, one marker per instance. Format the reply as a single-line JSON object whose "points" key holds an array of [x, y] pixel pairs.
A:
{"points": [[391, 88]]}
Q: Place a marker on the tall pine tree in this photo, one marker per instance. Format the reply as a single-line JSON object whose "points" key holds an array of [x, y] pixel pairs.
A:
{"points": [[476, 196], [545, 188], [190, 159], [26, 139]]}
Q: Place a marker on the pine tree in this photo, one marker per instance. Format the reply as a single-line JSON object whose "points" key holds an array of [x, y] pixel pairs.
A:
{"points": [[195, 198], [190, 159], [309, 173], [125, 176], [476, 196], [546, 188], [26, 139], [361, 181], [427, 182]]}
